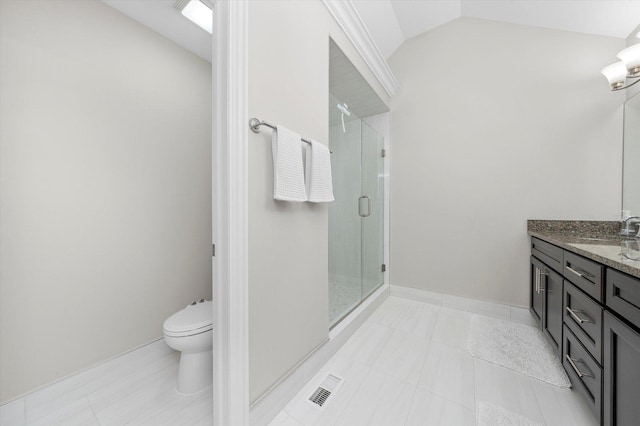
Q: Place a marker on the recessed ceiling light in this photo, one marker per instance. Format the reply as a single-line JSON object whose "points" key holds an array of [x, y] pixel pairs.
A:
{"points": [[197, 11]]}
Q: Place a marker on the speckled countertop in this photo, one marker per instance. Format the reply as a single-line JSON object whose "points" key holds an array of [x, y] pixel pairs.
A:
{"points": [[596, 240]]}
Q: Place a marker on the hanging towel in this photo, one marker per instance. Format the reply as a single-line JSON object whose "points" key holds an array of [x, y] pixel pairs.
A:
{"points": [[288, 171], [318, 174]]}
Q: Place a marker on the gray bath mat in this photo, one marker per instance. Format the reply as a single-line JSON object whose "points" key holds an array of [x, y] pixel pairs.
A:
{"points": [[518, 347], [492, 415]]}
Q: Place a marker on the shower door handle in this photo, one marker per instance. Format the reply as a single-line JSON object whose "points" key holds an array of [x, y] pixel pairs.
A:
{"points": [[368, 206]]}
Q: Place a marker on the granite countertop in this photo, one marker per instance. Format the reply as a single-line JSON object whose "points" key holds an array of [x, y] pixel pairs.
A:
{"points": [[595, 240]]}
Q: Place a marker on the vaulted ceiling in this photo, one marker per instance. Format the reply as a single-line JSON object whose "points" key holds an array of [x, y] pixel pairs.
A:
{"points": [[392, 22]]}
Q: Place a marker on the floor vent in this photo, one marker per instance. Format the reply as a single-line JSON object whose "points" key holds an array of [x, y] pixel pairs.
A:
{"points": [[328, 386]]}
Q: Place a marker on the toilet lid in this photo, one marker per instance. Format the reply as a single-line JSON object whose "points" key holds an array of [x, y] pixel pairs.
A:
{"points": [[192, 317]]}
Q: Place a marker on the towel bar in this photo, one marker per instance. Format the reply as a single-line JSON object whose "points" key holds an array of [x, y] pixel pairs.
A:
{"points": [[254, 125]]}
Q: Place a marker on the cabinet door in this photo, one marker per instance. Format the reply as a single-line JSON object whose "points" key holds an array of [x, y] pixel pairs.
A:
{"points": [[535, 294], [621, 373], [551, 289]]}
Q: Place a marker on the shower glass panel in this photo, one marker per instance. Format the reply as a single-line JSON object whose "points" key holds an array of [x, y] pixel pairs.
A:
{"points": [[373, 225], [356, 216]]}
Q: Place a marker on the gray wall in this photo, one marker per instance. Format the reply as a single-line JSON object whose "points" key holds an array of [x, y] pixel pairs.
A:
{"points": [[288, 242], [105, 219], [496, 123]]}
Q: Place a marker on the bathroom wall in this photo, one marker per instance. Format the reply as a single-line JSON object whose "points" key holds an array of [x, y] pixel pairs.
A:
{"points": [[288, 242], [496, 123], [105, 217]]}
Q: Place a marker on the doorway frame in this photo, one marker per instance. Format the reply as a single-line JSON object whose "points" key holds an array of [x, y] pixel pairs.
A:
{"points": [[230, 182]]}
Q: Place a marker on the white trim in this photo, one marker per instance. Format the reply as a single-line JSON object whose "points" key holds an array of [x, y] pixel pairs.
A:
{"points": [[346, 15], [230, 218], [483, 307], [269, 405]]}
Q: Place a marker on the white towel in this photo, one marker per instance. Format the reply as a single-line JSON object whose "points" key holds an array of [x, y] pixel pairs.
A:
{"points": [[288, 171], [318, 174]]}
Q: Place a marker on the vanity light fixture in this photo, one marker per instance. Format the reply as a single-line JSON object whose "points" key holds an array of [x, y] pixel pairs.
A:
{"points": [[200, 12], [629, 67]]}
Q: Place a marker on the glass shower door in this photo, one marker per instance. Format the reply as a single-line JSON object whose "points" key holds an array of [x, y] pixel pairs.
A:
{"points": [[356, 244], [345, 231], [372, 222]]}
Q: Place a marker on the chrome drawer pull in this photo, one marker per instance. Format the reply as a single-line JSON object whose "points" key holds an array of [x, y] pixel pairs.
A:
{"points": [[581, 274], [575, 367], [574, 271], [575, 316]]}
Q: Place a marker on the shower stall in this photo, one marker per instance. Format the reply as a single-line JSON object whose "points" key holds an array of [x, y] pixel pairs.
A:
{"points": [[356, 217]]}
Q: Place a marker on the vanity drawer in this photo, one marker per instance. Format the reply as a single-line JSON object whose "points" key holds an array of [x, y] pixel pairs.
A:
{"points": [[623, 296], [585, 374], [584, 273], [548, 253], [583, 316]]}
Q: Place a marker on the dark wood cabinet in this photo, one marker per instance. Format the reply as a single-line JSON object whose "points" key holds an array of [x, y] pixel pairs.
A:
{"points": [[621, 402], [591, 313], [536, 296], [552, 316], [546, 291], [584, 372]]}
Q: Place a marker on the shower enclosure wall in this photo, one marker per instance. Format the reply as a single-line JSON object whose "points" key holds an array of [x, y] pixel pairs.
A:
{"points": [[356, 217]]}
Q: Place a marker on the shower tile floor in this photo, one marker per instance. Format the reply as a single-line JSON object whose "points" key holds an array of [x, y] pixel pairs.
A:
{"points": [[137, 388], [343, 296], [408, 365]]}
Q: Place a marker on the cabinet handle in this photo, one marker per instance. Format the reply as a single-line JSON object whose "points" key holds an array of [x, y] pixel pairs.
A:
{"points": [[575, 316], [537, 280], [581, 274], [541, 289], [576, 369], [574, 271]]}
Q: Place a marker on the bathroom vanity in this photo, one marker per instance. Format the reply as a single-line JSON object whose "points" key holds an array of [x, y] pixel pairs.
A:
{"points": [[585, 294]]}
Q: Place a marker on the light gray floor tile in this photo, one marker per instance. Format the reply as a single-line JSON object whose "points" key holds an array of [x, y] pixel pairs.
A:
{"points": [[283, 419], [449, 373], [452, 328], [402, 356], [13, 413], [78, 413], [562, 406], [379, 398], [430, 409], [365, 344], [507, 389]]}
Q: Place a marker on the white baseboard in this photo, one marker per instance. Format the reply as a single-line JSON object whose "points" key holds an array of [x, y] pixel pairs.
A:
{"points": [[492, 309], [271, 403]]}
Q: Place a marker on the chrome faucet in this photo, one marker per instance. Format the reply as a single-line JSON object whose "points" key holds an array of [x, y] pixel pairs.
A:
{"points": [[626, 231]]}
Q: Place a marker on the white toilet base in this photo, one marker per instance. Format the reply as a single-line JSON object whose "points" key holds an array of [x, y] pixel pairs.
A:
{"points": [[195, 372]]}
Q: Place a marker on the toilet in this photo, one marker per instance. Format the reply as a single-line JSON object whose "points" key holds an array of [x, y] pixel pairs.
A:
{"points": [[190, 331]]}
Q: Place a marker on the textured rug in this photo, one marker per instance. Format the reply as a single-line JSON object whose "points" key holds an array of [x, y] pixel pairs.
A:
{"points": [[492, 415], [518, 347]]}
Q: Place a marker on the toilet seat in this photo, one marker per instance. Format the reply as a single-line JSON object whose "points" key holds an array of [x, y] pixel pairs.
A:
{"points": [[194, 319]]}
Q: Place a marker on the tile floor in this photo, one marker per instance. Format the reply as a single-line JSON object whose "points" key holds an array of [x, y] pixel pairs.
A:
{"points": [[408, 365], [135, 389]]}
